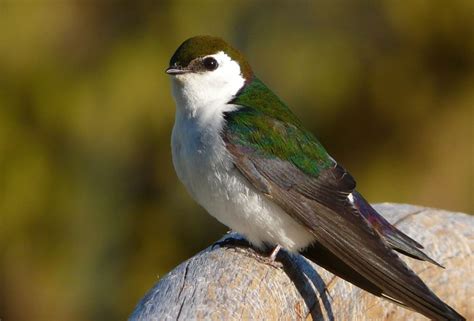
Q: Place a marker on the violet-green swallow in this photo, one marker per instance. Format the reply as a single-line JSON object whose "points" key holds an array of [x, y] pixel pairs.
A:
{"points": [[247, 159]]}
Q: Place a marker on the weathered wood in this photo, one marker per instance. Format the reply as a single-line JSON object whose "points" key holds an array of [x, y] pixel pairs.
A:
{"points": [[222, 283]]}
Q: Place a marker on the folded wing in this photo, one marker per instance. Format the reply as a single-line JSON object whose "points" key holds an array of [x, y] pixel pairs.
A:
{"points": [[318, 199]]}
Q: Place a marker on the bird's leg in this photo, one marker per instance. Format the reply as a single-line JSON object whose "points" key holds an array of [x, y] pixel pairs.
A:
{"points": [[271, 259], [258, 254], [274, 253]]}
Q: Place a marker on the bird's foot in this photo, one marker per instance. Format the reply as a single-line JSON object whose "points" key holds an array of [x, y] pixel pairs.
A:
{"points": [[232, 242], [249, 250], [271, 259]]}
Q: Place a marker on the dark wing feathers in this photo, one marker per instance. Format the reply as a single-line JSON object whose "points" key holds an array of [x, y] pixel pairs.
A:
{"points": [[396, 239], [321, 204]]}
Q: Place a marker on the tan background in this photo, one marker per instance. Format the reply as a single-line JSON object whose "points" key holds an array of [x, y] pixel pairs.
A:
{"points": [[91, 212]]}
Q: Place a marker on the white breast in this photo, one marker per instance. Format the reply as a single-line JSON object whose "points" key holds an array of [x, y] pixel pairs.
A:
{"points": [[205, 167]]}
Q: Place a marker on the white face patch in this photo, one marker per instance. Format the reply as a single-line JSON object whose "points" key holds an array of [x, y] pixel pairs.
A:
{"points": [[197, 91]]}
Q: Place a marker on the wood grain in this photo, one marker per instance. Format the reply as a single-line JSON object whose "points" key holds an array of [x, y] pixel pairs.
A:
{"points": [[236, 283]]}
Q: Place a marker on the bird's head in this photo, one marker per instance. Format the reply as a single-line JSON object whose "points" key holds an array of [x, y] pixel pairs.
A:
{"points": [[206, 69]]}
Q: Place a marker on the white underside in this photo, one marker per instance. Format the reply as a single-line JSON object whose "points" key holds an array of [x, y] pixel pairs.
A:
{"points": [[206, 169]]}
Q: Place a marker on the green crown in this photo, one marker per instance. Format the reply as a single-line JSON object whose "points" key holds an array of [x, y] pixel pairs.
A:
{"points": [[201, 46]]}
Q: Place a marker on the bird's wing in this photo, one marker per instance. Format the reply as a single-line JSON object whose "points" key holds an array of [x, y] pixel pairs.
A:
{"points": [[318, 199], [395, 238]]}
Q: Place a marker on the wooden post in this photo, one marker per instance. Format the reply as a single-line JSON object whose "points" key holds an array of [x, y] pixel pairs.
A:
{"points": [[232, 283]]}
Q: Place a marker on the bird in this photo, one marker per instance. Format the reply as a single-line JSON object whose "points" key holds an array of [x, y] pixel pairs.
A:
{"points": [[247, 159]]}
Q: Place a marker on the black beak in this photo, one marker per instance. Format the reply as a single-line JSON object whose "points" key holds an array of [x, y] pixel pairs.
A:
{"points": [[176, 71]]}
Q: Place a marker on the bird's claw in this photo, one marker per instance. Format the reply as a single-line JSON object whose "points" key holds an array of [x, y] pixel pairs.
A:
{"points": [[231, 242]]}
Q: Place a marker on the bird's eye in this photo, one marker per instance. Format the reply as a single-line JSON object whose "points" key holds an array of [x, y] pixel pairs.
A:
{"points": [[210, 63]]}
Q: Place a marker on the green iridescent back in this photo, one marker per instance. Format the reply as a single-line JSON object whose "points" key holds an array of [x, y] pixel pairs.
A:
{"points": [[268, 127]]}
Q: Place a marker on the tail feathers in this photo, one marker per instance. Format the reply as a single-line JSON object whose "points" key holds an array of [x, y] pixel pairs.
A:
{"points": [[324, 258], [436, 309], [395, 238], [397, 243]]}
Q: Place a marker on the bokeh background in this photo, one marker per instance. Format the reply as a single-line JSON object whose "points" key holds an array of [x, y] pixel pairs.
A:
{"points": [[91, 211]]}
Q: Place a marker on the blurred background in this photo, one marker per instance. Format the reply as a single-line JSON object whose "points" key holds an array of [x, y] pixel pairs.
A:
{"points": [[91, 211]]}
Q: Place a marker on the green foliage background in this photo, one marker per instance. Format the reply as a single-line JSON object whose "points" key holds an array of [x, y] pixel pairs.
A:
{"points": [[91, 212]]}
